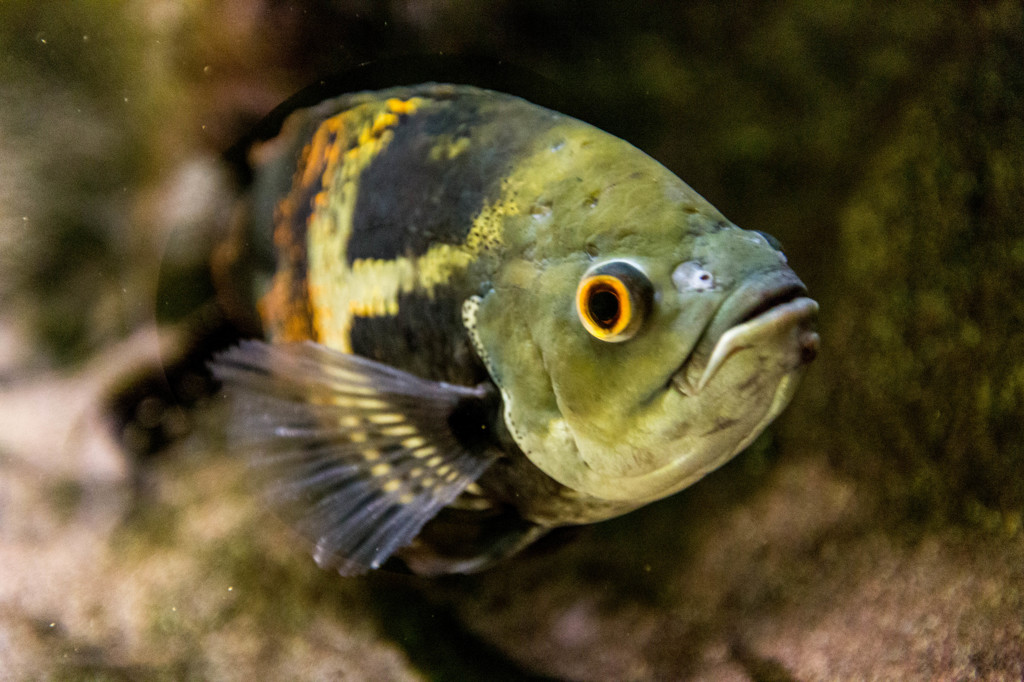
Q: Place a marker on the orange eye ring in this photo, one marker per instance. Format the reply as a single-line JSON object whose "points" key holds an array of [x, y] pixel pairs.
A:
{"points": [[612, 301]]}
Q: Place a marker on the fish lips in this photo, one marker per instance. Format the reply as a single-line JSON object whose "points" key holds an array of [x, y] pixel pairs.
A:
{"points": [[765, 306]]}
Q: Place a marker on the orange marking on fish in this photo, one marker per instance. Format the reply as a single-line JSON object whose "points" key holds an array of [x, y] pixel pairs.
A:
{"points": [[399, 106], [385, 120]]}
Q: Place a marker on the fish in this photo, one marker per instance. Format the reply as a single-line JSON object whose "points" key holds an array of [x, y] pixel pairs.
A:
{"points": [[482, 320]]}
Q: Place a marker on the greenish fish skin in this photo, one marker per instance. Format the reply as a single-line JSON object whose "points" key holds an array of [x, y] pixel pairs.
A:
{"points": [[485, 319]]}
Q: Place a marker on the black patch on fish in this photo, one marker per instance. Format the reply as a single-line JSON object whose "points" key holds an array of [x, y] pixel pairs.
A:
{"points": [[426, 338], [471, 420], [408, 202], [358, 455]]}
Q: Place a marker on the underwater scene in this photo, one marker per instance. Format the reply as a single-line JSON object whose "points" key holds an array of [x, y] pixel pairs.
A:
{"points": [[437, 340]]}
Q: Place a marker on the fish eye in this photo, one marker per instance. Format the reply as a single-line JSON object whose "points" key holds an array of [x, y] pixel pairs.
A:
{"points": [[613, 299]]}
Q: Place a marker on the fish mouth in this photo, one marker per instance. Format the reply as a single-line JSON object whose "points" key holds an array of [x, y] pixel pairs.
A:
{"points": [[767, 306]]}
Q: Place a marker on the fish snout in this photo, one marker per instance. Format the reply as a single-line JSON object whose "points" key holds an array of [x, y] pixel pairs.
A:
{"points": [[770, 311]]}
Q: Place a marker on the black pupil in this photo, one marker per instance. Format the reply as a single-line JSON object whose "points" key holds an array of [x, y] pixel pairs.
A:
{"points": [[604, 307]]}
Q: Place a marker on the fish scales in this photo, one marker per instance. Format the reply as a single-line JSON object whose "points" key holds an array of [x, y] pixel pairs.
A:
{"points": [[533, 322]]}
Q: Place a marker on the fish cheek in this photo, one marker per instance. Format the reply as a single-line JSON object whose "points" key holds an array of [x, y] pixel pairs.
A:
{"points": [[501, 324], [605, 393]]}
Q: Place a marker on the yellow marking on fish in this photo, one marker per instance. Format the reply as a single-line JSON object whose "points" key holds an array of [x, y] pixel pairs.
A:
{"points": [[381, 469], [347, 143], [383, 121], [361, 403], [360, 390], [371, 454], [474, 489], [424, 452], [350, 421], [434, 461], [437, 265], [447, 149], [375, 284], [357, 437], [368, 131], [370, 287], [415, 472], [452, 476], [399, 431], [406, 498], [285, 307], [443, 469], [386, 418], [414, 442], [391, 486], [427, 482], [408, 106]]}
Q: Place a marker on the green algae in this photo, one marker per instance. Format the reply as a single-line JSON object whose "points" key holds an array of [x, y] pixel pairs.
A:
{"points": [[72, 123], [928, 326]]}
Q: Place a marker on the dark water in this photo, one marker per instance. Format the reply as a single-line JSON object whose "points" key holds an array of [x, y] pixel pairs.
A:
{"points": [[881, 144]]}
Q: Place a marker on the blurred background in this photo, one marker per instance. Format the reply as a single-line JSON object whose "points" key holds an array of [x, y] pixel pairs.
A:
{"points": [[874, 532]]}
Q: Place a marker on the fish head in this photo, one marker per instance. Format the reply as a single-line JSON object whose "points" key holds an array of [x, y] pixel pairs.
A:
{"points": [[644, 345]]}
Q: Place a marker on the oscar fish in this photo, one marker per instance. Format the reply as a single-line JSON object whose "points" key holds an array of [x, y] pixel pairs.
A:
{"points": [[482, 320]]}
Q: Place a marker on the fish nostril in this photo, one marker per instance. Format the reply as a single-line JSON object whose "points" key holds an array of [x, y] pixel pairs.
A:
{"points": [[693, 276]]}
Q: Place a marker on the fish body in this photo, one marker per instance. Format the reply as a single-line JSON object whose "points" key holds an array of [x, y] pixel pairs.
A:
{"points": [[484, 319]]}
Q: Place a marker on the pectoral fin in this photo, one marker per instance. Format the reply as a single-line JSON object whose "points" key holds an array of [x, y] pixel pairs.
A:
{"points": [[357, 454]]}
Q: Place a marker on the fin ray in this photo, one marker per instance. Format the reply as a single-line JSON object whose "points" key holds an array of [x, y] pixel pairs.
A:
{"points": [[357, 454]]}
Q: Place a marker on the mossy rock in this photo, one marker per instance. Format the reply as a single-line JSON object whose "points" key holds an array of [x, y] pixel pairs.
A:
{"points": [[928, 323]]}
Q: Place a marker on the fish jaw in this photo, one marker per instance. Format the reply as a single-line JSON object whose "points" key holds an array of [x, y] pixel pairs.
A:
{"points": [[792, 319], [778, 320], [770, 311]]}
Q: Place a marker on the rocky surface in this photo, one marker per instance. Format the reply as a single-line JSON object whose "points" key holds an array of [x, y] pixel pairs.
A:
{"points": [[112, 572], [874, 533]]}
